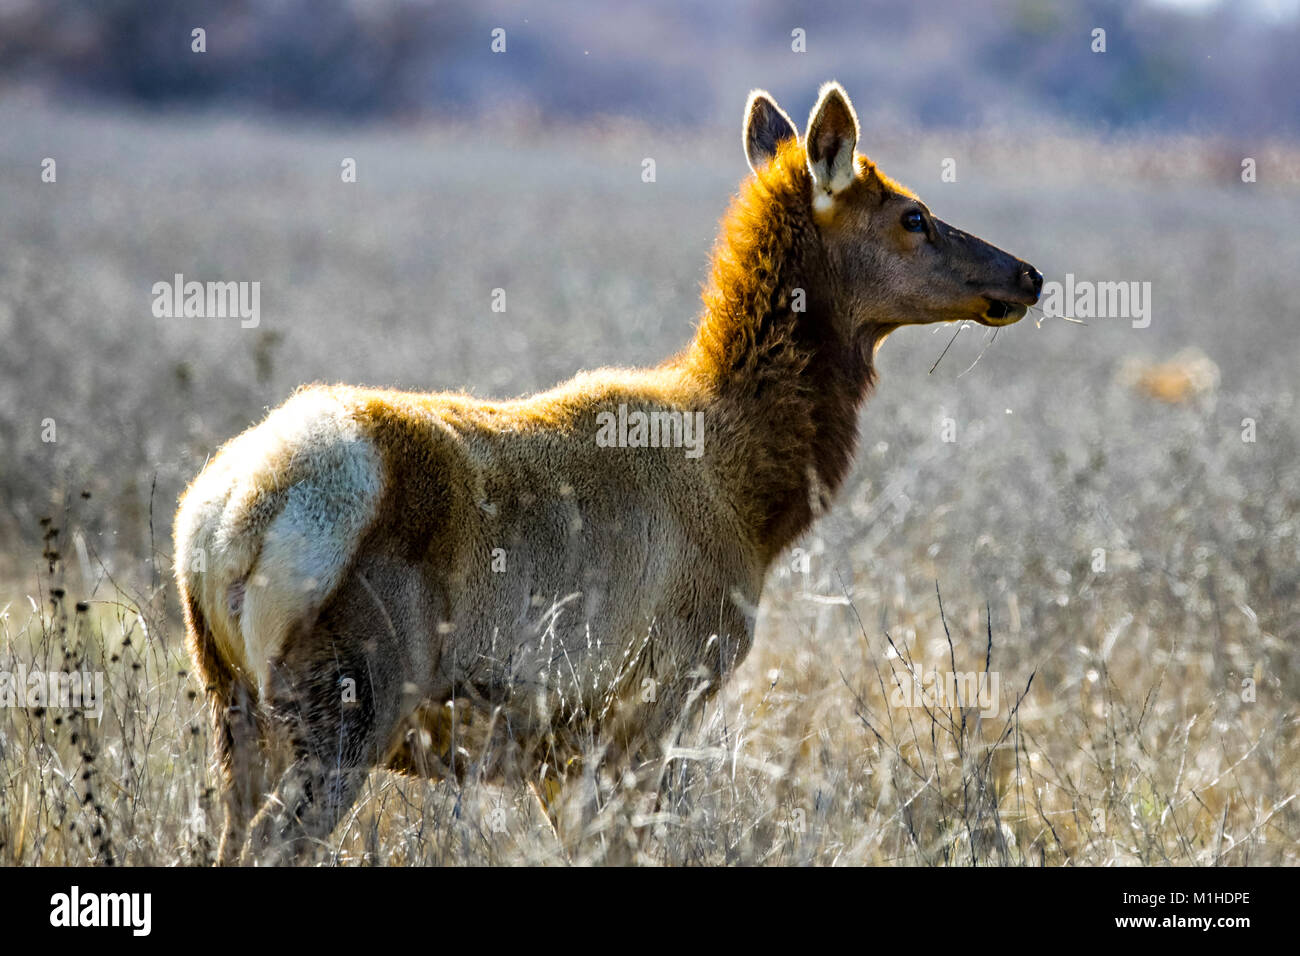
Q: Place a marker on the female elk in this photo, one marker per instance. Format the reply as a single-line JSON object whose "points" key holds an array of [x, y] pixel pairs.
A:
{"points": [[573, 586]]}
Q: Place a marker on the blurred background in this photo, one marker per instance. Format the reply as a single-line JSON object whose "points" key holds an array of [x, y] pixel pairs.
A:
{"points": [[1119, 500], [1195, 65]]}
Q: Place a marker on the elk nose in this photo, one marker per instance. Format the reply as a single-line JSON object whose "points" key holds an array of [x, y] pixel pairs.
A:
{"points": [[1031, 280]]}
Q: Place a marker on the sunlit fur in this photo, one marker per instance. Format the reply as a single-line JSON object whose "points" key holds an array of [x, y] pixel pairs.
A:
{"points": [[353, 541]]}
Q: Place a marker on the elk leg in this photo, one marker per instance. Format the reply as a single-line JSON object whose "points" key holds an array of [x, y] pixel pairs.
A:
{"points": [[337, 695], [333, 747], [238, 734]]}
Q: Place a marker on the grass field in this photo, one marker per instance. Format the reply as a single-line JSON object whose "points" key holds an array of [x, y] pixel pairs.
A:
{"points": [[1101, 534]]}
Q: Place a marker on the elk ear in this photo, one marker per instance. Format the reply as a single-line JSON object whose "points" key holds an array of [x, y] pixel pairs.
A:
{"points": [[766, 127], [831, 140]]}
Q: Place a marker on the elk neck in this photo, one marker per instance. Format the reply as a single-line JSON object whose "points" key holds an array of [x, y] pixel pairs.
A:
{"points": [[784, 373]]}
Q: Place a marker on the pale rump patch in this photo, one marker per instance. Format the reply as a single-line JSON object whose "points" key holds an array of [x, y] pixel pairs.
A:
{"points": [[266, 532]]}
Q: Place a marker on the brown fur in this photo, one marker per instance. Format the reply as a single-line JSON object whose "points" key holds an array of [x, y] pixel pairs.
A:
{"points": [[351, 539]]}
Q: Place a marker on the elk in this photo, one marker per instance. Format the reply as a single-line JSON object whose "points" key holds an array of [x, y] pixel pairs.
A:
{"points": [[446, 586]]}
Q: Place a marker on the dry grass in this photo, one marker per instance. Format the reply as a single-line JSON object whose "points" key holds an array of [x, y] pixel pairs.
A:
{"points": [[807, 758], [1122, 734]]}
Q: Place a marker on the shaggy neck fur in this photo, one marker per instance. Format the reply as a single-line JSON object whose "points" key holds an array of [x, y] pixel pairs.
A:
{"points": [[785, 385]]}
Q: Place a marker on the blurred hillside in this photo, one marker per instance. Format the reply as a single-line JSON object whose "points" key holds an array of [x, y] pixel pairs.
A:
{"points": [[1191, 65]]}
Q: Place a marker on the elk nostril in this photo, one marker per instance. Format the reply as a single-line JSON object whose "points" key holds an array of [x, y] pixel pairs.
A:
{"points": [[1031, 279]]}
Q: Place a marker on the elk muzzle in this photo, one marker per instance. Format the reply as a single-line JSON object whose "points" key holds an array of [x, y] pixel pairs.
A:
{"points": [[1006, 286]]}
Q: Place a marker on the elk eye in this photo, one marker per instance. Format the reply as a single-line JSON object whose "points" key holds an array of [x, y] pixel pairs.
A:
{"points": [[913, 221]]}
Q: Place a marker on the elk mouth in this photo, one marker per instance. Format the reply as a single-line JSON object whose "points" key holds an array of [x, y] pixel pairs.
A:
{"points": [[1000, 312]]}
